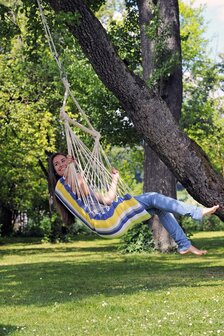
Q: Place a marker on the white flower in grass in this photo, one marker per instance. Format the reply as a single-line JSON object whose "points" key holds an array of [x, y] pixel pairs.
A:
{"points": [[104, 304]]}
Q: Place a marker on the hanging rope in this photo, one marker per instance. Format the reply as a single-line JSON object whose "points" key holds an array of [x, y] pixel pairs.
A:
{"points": [[92, 165]]}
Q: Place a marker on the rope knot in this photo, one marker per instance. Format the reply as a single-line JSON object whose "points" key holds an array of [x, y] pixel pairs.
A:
{"points": [[63, 115]]}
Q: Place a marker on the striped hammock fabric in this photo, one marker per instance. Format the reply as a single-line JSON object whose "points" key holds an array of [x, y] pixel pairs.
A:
{"points": [[113, 221]]}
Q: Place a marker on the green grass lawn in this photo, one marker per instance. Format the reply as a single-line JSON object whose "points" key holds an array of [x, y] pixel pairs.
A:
{"points": [[89, 288]]}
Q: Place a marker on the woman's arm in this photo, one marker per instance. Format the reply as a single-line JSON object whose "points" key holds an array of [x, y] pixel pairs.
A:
{"points": [[82, 186], [77, 183], [110, 196]]}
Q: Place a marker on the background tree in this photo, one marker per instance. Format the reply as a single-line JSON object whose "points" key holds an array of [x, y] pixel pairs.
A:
{"points": [[25, 120], [203, 109], [161, 61]]}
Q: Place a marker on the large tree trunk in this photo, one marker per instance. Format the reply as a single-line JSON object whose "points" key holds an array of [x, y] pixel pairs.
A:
{"points": [[157, 176], [148, 111], [6, 221]]}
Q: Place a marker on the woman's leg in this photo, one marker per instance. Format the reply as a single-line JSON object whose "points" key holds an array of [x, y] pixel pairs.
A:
{"points": [[158, 201], [161, 205], [174, 229]]}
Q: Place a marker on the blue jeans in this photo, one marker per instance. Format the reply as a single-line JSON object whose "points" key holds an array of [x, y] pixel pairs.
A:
{"points": [[164, 207]]}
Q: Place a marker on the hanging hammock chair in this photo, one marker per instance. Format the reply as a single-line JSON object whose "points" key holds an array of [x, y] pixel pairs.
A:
{"points": [[92, 164]]}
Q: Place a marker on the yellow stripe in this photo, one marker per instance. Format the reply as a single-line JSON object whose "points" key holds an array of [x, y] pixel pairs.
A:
{"points": [[127, 227], [72, 203], [119, 213]]}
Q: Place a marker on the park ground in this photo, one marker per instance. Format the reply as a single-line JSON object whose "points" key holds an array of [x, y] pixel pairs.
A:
{"points": [[87, 287]]}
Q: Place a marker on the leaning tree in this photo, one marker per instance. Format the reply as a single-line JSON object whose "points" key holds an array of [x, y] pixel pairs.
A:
{"points": [[148, 111]]}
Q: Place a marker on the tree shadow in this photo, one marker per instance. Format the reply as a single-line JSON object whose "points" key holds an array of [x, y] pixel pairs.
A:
{"points": [[7, 329], [209, 242], [49, 282], [58, 249], [87, 271]]}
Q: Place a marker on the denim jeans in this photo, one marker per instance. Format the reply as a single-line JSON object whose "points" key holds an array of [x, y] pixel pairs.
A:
{"points": [[164, 207]]}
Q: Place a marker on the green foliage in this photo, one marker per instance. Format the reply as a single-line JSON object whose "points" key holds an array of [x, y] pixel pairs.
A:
{"points": [[125, 35], [9, 26], [95, 4], [39, 225], [164, 60], [212, 223], [27, 122], [101, 107], [50, 228], [127, 160], [137, 240], [68, 18], [203, 109], [26, 132], [192, 29]]}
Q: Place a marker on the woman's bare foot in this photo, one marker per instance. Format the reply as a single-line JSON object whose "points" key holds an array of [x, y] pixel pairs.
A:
{"points": [[209, 211], [194, 250]]}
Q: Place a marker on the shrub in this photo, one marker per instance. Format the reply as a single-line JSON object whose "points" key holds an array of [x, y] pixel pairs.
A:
{"points": [[38, 226], [212, 223], [138, 239]]}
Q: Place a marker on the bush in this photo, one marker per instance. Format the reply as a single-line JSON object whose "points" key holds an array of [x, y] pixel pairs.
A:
{"points": [[212, 223], [138, 239], [38, 226], [62, 233], [51, 228]]}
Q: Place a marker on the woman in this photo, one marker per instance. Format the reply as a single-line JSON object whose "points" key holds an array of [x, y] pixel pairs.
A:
{"points": [[155, 204]]}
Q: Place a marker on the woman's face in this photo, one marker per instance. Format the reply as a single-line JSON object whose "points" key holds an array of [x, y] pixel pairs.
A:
{"points": [[60, 163]]}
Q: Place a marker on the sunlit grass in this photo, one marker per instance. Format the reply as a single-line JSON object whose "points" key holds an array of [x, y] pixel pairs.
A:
{"points": [[89, 288]]}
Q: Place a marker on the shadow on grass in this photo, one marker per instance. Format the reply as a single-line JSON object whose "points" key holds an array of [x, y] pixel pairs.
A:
{"points": [[57, 248], [7, 329], [44, 283], [209, 242], [203, 243]]}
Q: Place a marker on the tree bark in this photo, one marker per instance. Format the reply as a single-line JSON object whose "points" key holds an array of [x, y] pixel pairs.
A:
{"points": [[148, 111], [157, 176], [6, 215]]}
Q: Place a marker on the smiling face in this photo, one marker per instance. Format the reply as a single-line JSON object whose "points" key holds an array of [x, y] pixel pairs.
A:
{"points": [[60, 163]]}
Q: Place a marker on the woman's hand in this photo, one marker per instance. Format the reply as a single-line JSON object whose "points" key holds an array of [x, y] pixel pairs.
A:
{"points": [[115, 175], [70, 159]]}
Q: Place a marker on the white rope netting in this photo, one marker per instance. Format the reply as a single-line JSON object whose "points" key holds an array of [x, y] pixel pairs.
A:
{"points": [[92, 164]]}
